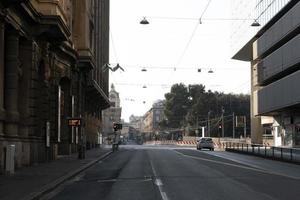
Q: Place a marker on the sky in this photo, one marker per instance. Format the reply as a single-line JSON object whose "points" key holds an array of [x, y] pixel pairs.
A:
{"points": [[172, 48]]}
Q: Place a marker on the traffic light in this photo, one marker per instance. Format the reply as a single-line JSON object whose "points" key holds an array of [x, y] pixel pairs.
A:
{"points": [[117, 126]]}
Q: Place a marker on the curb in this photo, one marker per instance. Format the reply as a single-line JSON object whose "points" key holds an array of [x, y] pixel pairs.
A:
{"points": [[51, 186]]}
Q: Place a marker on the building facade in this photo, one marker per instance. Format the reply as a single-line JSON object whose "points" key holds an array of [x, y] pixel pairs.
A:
{"points": [[136, 122], [112, 114], [158, 114], [151, 120], [51, 58], [274, 56]]}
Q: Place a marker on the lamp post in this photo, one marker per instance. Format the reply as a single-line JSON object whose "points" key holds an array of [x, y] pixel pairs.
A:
{"points": [[223, 110], [208, 123]]}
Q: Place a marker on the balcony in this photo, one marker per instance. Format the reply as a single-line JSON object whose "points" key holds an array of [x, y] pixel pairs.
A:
{"points": [[280, 63], [279, 95], [55, 18], [284, 29]]}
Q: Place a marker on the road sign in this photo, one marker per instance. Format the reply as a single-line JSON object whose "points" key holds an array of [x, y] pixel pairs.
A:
{"points": [[75, 122]]}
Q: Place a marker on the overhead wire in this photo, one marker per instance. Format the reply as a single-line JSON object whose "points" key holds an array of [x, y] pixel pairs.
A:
{"points": [[190, 39]]}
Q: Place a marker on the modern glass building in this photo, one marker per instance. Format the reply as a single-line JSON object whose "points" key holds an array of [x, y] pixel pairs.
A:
{"points": [[275, 72], [245, 12]]}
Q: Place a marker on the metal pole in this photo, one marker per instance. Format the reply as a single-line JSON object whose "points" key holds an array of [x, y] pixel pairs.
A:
{"points": [[233, 126], [222, 122], [245, 128], [197, 128], [208, 124]]}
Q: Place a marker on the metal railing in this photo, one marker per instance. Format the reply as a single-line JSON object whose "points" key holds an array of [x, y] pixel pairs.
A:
{"points": [[276, 153]]}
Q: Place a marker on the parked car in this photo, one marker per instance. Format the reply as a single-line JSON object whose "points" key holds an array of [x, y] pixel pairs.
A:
{"points": [[205, 143]]}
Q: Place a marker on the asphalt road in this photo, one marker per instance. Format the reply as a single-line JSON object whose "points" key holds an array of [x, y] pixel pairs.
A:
{"points": [[143, 172]]}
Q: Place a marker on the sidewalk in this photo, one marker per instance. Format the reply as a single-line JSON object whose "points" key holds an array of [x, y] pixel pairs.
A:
{"points": [[31, 182]]}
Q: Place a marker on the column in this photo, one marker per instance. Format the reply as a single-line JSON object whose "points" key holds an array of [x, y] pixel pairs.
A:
{"points": [[11, 82], [25, 56], [1, 75]]}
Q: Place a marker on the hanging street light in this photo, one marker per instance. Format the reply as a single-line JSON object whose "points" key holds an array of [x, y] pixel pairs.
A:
{"points": [[144, 69], [210, 71], [255, 23], [144, 21]]}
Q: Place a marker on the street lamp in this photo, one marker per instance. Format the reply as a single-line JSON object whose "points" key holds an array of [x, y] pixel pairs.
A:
{"points": [[255, 23], [210, 71], [208, 123], [223, 111], [144, 21], [144, 69]]}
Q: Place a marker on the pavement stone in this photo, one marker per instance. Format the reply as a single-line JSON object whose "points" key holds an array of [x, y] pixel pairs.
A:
{"points": [[32, 182]]}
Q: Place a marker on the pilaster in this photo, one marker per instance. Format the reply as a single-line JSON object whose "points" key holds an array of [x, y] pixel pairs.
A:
{"points": [[2, 113], [26, 58], [11, 82]]}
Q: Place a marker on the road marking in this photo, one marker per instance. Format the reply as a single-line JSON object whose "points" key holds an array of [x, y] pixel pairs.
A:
{"points": [[107, 181], [159, 183], [234, 160], [239, 166]]}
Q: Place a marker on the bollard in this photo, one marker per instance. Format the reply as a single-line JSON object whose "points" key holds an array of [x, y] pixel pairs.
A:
{"points": [[265, 151], [10, 159]]}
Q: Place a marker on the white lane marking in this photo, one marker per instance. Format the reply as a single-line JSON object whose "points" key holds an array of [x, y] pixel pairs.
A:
{"points": [[239, 166], [234, 160], [106, 181], [159, 183], [164, 195]]}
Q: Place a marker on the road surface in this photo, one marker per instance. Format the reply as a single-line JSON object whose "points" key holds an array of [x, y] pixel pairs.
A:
{"points": [[138, 172]]}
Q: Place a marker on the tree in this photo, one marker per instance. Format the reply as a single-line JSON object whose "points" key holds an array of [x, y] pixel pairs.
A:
{"points": [[176, 104], [190, 105]]}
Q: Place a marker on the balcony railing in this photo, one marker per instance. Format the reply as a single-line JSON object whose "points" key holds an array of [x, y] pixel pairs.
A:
{"points": [[271, 152]]}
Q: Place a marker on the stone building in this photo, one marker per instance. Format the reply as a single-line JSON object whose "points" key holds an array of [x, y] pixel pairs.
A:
{"points": [[158, 114], [112, 114], [136, 122], [51, 58], [152, 118]]}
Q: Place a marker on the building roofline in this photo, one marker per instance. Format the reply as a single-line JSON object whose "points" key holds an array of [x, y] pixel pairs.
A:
{"points": [[245, 53]]}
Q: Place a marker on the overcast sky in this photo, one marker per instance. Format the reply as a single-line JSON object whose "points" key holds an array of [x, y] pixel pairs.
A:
{"points": [[172, 48]]}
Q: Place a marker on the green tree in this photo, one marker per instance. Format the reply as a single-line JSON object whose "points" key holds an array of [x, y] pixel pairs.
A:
{"points": [[190, 105], [176, 104]]}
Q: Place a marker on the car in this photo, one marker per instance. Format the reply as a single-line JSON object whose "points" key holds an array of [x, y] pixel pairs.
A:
{"points": [[205, 143]]}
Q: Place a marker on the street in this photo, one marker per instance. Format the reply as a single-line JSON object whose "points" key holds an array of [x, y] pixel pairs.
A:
{"points": [[168, 173]]}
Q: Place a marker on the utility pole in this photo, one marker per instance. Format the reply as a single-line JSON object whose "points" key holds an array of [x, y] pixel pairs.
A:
{"points": [[208, 124], [245, 128], [223, 121], [197, 126], [233, 125]]}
